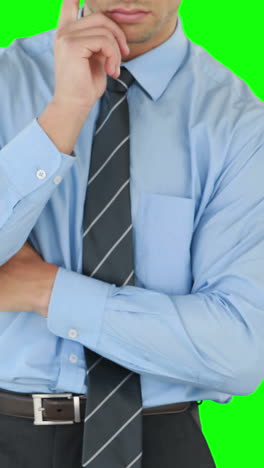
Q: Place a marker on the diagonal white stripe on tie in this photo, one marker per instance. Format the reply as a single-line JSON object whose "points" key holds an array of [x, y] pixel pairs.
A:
{"points": [[94, 365], [112, 110], [112, 438], [107, 161], [108, 396], [111, 250], [134, 461], [106, 207], [128, 278]]}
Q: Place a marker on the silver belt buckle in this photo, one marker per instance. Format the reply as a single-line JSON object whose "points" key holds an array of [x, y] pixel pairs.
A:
{"points": [[38, 409]]}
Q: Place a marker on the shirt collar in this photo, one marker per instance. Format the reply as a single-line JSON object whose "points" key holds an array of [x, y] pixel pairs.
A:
{"points": [[154, 69]]}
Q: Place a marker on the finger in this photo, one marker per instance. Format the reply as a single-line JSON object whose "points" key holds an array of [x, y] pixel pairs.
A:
{"points": [[99, 45], [68, 13], [93, 32], [97, 20]]}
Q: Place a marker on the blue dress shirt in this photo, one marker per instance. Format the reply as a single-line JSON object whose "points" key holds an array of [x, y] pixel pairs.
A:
{"points": [[193, 324]]}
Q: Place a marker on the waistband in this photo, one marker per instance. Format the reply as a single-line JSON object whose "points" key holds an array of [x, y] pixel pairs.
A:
{"points": [[64, 408]]}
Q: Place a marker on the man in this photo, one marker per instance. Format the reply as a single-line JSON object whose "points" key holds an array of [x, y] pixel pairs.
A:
{"points": [[114, 324]]}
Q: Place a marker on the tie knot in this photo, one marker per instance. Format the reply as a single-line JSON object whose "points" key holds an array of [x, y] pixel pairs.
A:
{"points": [[122, 83]]}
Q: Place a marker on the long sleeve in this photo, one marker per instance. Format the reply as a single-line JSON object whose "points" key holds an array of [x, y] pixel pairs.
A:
{"points": [[192, 325], [212, 337], [30, 169]]}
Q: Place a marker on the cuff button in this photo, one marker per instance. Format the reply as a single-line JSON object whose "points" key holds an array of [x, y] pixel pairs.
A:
{"points": [[41, 174], [57, 180]]}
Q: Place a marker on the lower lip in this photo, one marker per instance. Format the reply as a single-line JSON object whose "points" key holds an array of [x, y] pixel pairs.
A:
{"points": [[128, 17]]}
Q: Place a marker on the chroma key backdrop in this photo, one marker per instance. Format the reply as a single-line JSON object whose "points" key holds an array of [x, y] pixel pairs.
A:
{"points": [[232, 32]]}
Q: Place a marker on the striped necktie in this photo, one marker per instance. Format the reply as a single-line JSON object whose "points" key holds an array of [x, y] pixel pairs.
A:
{"points": [[113, 415]]}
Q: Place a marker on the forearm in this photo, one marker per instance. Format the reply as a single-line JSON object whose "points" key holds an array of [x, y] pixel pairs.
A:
{"points": [[24, 191], [186, 339], [62, 125], [40, 295]]}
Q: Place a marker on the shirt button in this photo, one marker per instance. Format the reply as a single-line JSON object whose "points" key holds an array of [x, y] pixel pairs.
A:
{"points": [[73, 333], [41, 174], [57, 179], [73, 358]]}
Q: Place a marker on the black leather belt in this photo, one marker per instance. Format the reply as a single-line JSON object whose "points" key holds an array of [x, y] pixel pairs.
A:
{"points": [[63, 408]]}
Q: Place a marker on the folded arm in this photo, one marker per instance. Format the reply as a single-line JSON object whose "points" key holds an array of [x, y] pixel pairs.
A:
{"points": [[212, 337]]}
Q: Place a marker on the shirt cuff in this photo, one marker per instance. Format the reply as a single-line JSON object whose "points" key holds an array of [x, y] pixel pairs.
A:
{"points": [[31, 159], [77, 306]]}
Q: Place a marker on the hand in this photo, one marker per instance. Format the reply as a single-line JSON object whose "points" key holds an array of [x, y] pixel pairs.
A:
{"points": [[26, 282], [85, 51]]}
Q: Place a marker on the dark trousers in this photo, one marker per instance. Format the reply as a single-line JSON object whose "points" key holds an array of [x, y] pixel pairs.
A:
{"points": [[170, 441]]}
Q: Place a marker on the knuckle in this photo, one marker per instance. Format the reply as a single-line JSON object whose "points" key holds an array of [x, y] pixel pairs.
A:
{"points": [[109, 34], [112, 39], [59, 34], [68, 41]]}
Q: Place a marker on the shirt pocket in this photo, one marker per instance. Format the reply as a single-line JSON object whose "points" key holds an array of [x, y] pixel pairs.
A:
{"points": [[163, 235]]}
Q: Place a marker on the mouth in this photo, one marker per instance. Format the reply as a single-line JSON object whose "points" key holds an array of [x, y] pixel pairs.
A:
{"points": [[123, 15]]}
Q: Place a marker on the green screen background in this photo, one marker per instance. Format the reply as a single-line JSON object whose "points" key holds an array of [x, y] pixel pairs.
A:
{"points": [[232, 32]]}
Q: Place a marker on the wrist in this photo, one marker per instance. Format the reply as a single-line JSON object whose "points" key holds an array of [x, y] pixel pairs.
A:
{"points": [[62, 124], [43, 292]]}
